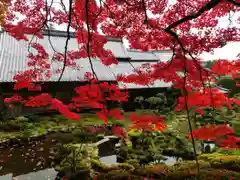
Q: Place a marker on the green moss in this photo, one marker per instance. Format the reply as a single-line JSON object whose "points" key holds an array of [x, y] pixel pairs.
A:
{"points": [[126, 166], [134, 133], [218, 156], [185, 170], [156, 169], [217, 160], [118, 175], [97, 165], [189, 165], [133, 162], [36, 125], [206, 174], [9, 135], [77, 156], [100, 135], [229, 152], [161, 173]]}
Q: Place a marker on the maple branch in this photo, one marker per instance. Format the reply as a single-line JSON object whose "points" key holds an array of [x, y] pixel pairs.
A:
{"points": [[234, 2], [89, 40], [89, 35], [185, 94], [203, 9], [173, 34], [88, 45], [110, 12], [169, 30], [68, 38], [43, 24], [48, 30], [63, 6], [206, 7], [145, 12]]}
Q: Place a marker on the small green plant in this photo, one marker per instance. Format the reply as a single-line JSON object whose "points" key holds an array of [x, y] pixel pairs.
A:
{"points": [[229, 152], [76, 156], [145, 147]]}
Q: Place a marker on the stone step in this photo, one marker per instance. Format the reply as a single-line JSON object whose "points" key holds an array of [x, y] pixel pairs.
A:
{"points": [[46, 174], [6, 177]]}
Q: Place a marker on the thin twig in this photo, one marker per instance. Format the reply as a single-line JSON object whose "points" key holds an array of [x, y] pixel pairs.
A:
{"points": [[68, 38]]}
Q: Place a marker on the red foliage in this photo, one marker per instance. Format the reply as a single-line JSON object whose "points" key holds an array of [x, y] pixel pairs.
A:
{"points": [[115, 113], [210, 97], [119, 131], [212, 132], [222, 134], [40, 100], [63, 109], [20, 30], [185, 27], [147, 122], [14, 98]]}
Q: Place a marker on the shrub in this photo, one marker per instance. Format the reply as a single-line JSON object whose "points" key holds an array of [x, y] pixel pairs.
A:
{"points": [[185, 170], [134, 162], [120, 175], [126, 166], [157, 170], [205, 174], [223, 161], [189, 165], [33, 118], [229, 152], [117, 123], [97, 165]]}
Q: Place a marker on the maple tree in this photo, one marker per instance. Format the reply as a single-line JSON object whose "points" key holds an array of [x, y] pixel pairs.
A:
{"points": [[187, 28]]}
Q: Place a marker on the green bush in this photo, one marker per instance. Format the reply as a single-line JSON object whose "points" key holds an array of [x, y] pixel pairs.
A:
{"points": [[126, 166], [206, 174], [159, 172], [117, 123], [119, 175], [229, 152], [223, 161], [34, 118], [230, 84], [189, 165]]}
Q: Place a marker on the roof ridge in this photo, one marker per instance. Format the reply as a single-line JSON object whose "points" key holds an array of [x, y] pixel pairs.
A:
{"points": [[60, 33], [153, 51]]}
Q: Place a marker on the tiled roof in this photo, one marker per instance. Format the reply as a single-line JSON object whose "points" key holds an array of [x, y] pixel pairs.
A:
{"points": [[137, 55], [127, 68], [113, 44], [13, 58]]}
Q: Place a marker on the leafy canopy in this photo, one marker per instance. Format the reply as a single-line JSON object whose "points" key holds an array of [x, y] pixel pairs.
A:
{"points": [[186, 27]]}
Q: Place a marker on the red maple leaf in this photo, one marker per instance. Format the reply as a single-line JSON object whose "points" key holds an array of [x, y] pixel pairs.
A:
{"points": [[119, 131], [171, 30], [115, 113]]}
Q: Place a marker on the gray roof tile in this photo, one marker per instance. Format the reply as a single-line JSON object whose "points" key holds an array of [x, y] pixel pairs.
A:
{"points": [[149, 56], [13, 58], [125, 68]]}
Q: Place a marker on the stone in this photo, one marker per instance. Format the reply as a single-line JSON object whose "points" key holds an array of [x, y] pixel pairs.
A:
{"points": [[39, 163], [39, 175], [41, 149], [6, 177], [109, 160]]}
